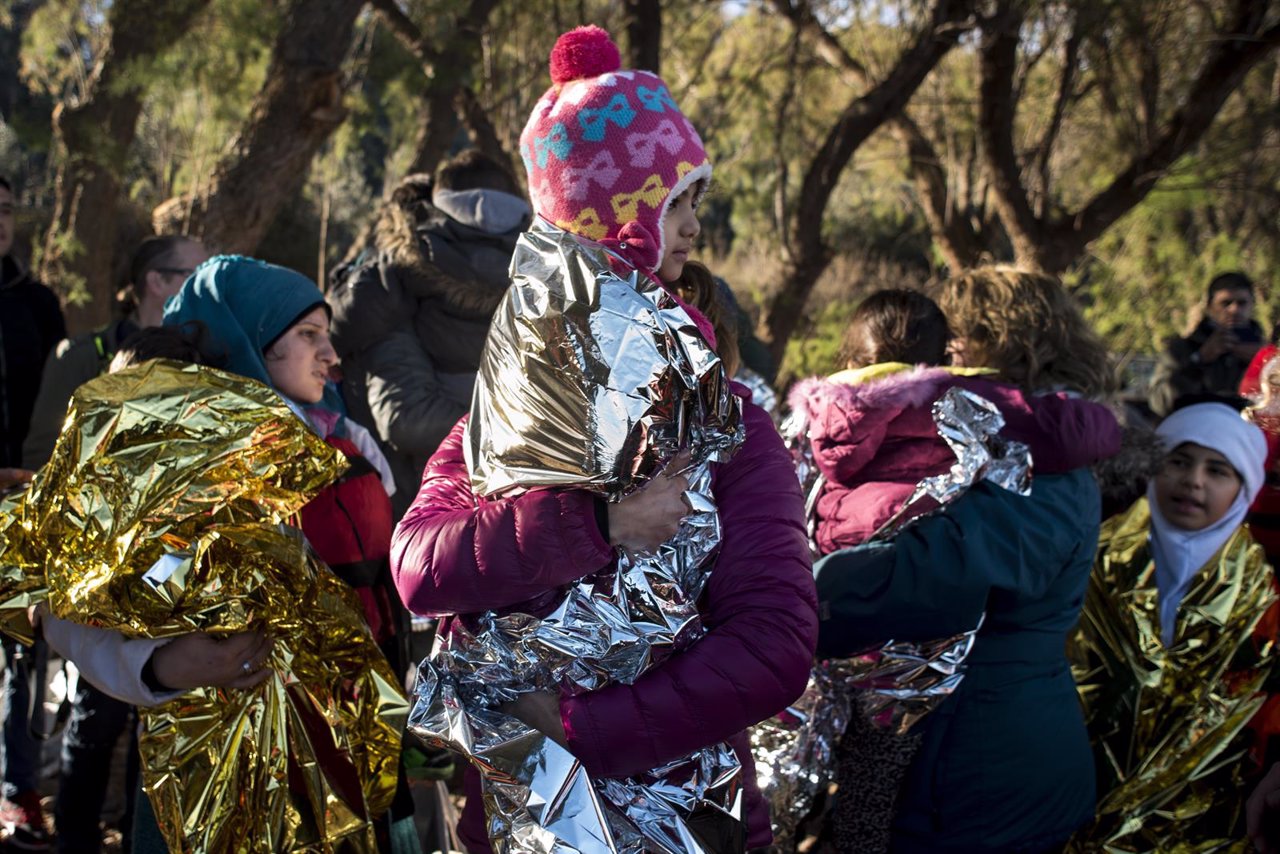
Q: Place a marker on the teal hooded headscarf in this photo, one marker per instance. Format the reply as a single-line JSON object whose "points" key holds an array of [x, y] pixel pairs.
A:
{"points": [[246, 304]]}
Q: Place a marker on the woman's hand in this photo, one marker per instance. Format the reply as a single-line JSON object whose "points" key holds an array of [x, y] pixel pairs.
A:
{"points": [[200, 660], [650, 516], [10, 478], [540, 710]]}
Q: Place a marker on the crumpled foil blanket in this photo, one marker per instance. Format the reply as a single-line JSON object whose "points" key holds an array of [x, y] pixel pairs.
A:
{"points": [[162, 513], [897, 683], [595, 378]]}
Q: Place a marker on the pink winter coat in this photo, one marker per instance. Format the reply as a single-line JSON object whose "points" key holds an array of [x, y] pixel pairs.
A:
{"points": [[875, 441], [450, 556]]}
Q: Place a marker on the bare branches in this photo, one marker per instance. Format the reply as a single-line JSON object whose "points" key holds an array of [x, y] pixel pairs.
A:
{"points": [[1065, 96], [865, 112], [998, 58], [406, 30], [1238, 50], [447, 101]]}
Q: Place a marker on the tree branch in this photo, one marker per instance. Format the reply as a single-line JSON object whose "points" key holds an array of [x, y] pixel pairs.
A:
{"points": [[998, 59], [960, 243], [1065, 96], [479, 126], [779, 137], [1228, 62], [406, 30], [859, 119]]}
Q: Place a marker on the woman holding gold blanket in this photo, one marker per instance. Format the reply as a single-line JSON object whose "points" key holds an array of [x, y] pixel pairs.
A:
{"points": [[270, 324]]}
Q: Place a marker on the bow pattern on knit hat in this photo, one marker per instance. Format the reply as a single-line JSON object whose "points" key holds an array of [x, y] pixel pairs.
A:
{"points": [[607, 150]]}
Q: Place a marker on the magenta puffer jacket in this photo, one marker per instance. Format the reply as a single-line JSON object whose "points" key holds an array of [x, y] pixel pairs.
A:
{"points": [[875, 441], [455, 554]]}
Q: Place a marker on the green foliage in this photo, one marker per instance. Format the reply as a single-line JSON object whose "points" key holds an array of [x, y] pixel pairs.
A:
{"points": [[764, 103], [199, 94], [817, 351], [61, 42]]}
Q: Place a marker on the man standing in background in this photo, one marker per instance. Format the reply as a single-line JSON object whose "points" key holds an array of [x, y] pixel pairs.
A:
{"points": [[1211, 360], [156, 272]]}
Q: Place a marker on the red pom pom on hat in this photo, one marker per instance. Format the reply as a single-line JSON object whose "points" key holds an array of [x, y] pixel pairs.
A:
{"points": [[583, 52]]}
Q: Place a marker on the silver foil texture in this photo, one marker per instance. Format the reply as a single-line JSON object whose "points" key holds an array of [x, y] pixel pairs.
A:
{"points": [[897, 683], [593, 377]]}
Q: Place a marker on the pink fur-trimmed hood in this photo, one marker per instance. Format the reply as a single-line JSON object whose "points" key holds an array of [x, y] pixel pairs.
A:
{"points": [[876, 440], [849, 425], [914, 387]]}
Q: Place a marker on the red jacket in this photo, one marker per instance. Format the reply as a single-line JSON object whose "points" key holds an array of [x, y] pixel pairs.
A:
{"points": [[455, 554], [349, 525], [875, 441]]}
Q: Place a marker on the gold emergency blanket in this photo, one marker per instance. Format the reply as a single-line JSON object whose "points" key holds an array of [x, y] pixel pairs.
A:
{"points": [[161, 513], [1166, 722]]}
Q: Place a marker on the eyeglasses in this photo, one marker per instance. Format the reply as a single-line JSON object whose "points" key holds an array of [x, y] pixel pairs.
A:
{"points": [[184, 272]]}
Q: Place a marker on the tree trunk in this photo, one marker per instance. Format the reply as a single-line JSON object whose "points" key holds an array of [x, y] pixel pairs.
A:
{"points": [[960, 243], [93, 138], [996, 109], [1052, 245], [644, 34], [298, 108], [810, 252], [446, 106], [437, 126], [480, 127]]}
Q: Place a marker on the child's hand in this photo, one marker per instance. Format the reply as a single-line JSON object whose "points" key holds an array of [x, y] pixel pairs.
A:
{"points": [[649, 517]]}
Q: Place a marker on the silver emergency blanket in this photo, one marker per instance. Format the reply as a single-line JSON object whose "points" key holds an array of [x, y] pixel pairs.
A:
{"points": [[762, 394], [593, 377], [897, 683]]}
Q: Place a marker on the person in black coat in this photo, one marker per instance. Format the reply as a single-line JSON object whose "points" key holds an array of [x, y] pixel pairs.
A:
{"points": [[31, 324], [1213, 358]]}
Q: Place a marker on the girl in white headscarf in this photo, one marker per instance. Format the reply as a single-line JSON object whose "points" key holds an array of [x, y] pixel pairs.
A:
{"points": [[1167, 665]]}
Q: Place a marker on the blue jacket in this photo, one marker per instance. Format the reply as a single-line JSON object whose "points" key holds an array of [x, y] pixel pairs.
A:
{"points": [[1005, 764]]}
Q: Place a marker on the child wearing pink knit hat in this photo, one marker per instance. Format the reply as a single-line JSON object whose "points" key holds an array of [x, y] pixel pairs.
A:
{"points": [[585, 348], [611, 158]]}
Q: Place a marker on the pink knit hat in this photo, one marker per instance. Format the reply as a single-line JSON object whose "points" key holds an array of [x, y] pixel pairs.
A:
{"points": [[606, 150]]}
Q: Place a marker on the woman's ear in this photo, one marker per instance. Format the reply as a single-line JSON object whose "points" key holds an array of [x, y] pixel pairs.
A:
{"points": [[153, 284]]}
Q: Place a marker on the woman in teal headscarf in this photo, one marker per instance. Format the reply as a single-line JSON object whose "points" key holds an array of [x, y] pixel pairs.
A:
{"points": [[270, 324]]}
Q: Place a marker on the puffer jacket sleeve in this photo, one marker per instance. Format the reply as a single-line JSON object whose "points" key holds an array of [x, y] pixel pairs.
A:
{"points": [[454, 554], [935, 577], [760, 612], [1064, 432]]}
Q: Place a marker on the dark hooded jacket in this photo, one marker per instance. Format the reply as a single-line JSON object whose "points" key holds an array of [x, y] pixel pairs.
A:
{"points": [[1179, 373], [410, 322], [31, 325]]}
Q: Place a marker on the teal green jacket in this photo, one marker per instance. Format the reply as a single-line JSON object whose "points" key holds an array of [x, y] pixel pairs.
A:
{"points": [[1005, 764]]}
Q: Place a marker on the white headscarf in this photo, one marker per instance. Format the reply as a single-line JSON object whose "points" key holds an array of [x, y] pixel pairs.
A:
{"points": [[1180, 554]]}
